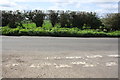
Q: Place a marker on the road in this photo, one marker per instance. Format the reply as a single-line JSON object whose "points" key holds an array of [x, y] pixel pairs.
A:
{"points": [[62, 57]]}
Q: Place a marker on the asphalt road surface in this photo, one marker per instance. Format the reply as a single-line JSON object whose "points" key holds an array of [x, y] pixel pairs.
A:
{"points": [[63, 57]]}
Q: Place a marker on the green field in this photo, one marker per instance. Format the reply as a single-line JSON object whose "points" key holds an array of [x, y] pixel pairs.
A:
{"points": [[30, 29]]}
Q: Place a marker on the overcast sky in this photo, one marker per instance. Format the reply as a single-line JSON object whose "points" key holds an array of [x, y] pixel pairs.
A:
{"points": [[99, 6]]}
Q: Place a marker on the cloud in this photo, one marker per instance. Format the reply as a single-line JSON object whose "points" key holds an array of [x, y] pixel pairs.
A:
{"points": [[65, 5], [11, 5], [100, 6], [6, 3], [108, 7], [36, 0]]}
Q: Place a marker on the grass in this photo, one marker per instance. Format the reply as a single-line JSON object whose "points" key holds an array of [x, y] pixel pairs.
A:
{"points": [[47, 30]]}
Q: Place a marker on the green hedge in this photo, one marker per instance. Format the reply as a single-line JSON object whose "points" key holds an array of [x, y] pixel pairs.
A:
{"points": [[61, 32]]}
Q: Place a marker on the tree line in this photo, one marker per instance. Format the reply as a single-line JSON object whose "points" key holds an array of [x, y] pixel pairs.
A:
{"points": [[67, 19]]}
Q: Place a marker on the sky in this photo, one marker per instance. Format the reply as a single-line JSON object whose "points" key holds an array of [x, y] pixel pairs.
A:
{"points": [[98, 6]]}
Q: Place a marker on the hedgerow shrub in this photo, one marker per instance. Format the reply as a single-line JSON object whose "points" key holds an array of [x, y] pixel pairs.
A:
{"points": [[14, 32], [91, 33], [114, 34], [71, 32], [5, 30]]}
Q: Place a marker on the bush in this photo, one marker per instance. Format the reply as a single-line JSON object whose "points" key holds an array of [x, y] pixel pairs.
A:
{"points": [[91, 33], [114, 34], [68, 32], [14, 32], [5, 30]]}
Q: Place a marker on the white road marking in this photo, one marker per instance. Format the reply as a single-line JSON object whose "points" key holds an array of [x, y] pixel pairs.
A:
{"points": [[32, 66], [47, 64], [57, 58], [116, 56], [15, 64], [73, 57], [63, 66], [108, 64], [95, 56], [77, 63], [89, 65], [70, 57]]}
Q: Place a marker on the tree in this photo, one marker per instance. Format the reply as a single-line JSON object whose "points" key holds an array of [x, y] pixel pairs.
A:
{"points": [[53, 17], [12, 18], [112, 21], [65, 19], [5, 20], [36, 16], [93, 21]]}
